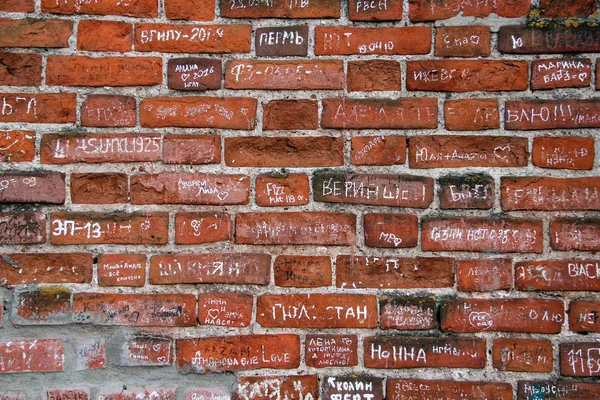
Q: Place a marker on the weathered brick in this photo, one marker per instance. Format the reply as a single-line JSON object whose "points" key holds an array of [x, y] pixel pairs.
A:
{"points": [[479, 275], [302, 271], [17, 146], [551, 114], [561, 73], [186, 188], [90, 354], [135, 392], [558, 275], [330, 40], [424, 352], [42, 355], [269, 387], [280, 9], [194, 38], [287, 75], [109, 228], [99, 148], [557, 390], [494, 234], [281, 41], [22, 228], [325, 351], [141, 8], [122, 270], [194, 73], [196, 10], [391, 230], [566, 152], [206, 394], [109, 111], [522, 355], [402, 113], [225, 309], [466, 191], [583, 316], [134, 309], [239, 268], [95, 35], [579, 359], [290, 115], [191, 149], [36, 268], [100, 188], [378, 150], [567, 9], [375, 189], [25, 6], [71, 393], [394, 273], [373, 75], [317, 311], [418, 389], [371, 10], [517, 39], [471, 114], [198, 112], [315, 227], [408, 313], [32, 187], [147, 351], [56, 108], [462, 41], [503, 315], [353, 386], [239, 352], [274, 190], [431, 10], [32, 32], [203, 227], [50, 305], [581, 234], [20, 69], [320, 151]]}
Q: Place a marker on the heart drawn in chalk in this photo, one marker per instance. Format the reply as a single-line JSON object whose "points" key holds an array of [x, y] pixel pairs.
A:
{"points": [[502, 152], [397, 241], [213, 313], [196, 224], [162, 359], [156, 347], [222, 195], [185, 77]]}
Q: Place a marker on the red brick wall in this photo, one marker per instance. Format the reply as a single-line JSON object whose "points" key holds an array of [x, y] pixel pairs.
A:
{"points": [[336, 200]]}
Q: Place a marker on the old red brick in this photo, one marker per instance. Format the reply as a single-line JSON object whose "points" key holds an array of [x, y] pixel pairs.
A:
{"points": [[466, 191], [274, 190], [18, 269], [20, 69], [194, 73], [583, 316], [373, 75], [95, 35], [99, 148], [519, 39], [566, 152], [471, 114], [408, 313], [25, 6], [32, 32], [187, 188], [551, 114], [431, 10], [133, 392], [238, 268], [141, 8], [418, 389], [480, 275], [504, 315], [90, 354], [50, 305], [22, 228], [17, 146], [579, 359], [317, 311], [55, 108], [109, 111], [42, 355], [467, 75], [561, 73], [558, 275], [281, 41], [567, 9], [147, 351], [575, 234], [32, 187], [379, 10], [424, 352], [325, 351], [315, 227], [353, 386], [522, 355], [239, 352], [122, 270], [203, 227], [375, 189], [213, 394], [462, 41], [281, 9], [558, 390], [269, 387], [391, 230], [394, 273], [109, 228], [191, 149], [135, 309], [232, 38], [225, 309], [290, 115], [100, 188], [320, 151], [302, 271], [378, 150], [66, 394], [198, 112], [330, 40], [196, 10], [402, 113]]}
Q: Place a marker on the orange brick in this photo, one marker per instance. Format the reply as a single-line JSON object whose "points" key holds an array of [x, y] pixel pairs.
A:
{"points": [[35, 32], [281, 9], [273, 190], [462, 41], [566, 152], [302, 271], [225, 309], [17, 146], [109, 111], [432, 10], [140, 8], [42, 355], [331, 40], [38, 108], [373, 75], [579, 359], [378, 150], [418, 389], [471, 114], [191, 149], [290, 115], [324, 351], [46, 268], [202, 227], [479, 275], [104, 36], [196, 10]]}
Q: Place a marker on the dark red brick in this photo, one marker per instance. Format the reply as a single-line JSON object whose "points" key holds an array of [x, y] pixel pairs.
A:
{"points": [[302, 271], [36, 268], [325, 351], [22, 228], [391, 230], [480, 275], [225, 309], [378, 150], [32, 187], [194, 73], [408, 313]]}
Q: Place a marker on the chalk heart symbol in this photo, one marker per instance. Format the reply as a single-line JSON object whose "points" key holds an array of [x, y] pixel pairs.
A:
{"points": [[502, 152], [222, 195], [185, 77], [162, 359], [156, 347], [397, 241], [196, 224], [213, 313]]}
